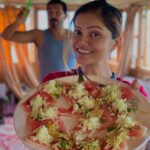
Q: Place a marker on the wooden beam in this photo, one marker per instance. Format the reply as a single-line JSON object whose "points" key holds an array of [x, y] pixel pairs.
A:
{"points": [[76, 3], [139, 39], [145, 38]]}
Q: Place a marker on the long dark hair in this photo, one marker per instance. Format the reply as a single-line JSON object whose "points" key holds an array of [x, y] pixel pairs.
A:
{"points": [[110, 15]]}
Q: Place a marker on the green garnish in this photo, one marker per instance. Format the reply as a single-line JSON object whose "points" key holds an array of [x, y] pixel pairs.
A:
{"points": [[86, 112], [129, 109], [38, 117], [64, 144], [102, 120], [56, 95], [111, 128]]}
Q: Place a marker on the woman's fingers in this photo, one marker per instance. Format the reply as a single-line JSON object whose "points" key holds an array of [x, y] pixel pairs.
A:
{"points": [[135, 84]]}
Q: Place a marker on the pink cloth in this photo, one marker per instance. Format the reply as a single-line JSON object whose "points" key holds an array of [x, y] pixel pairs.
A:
{"points": [[8, 137], [60, 74], [141, 88]]}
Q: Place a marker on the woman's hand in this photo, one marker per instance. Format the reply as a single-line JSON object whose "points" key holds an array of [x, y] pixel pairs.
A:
{"points": [[135, 84]]}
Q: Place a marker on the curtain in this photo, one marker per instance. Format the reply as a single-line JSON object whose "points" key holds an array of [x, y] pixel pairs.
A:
{"points": [[20, 71]]}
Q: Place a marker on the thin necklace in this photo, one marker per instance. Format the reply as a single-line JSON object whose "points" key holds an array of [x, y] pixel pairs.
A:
{"points": [[79, 71]]}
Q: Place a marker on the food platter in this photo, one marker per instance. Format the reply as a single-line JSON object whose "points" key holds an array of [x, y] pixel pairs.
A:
{"points": [[75, 115]]}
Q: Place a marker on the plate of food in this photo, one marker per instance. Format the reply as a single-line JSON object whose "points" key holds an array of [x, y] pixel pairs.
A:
{"points": [[65, 114]]}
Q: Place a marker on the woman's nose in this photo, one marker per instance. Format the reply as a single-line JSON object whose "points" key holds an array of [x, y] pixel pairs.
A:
{"points": [[83, 40]]}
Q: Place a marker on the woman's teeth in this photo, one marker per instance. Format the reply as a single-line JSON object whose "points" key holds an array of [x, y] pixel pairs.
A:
{"points": [[84, 51]]}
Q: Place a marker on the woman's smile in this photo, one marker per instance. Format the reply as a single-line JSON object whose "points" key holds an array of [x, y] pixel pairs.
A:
{"points": [[84, 51]]}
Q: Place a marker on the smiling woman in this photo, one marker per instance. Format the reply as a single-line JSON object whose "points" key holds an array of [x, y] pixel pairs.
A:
{"points": [[140, 52], [20, 64], [93, 34]]}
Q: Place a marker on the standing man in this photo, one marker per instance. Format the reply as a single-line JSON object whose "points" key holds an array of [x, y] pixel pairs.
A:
{"points": [[53, 44]]}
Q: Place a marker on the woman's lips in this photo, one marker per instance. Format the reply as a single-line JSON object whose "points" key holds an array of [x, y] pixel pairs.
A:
{"points": [[83, 51]]}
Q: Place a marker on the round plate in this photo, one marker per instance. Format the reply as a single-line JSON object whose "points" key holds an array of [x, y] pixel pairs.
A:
{"points": [[142, 115]]}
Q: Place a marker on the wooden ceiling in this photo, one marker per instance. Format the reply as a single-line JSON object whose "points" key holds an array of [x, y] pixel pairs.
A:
{"points": [[118, 3]]}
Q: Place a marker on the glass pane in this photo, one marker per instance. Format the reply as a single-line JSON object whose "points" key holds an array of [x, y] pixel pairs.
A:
{"points": [[135, 48], [144, 14], [29, 26], [136, 24], [113, 54], [67, 22], [147, 39], [30, 20], [14, 55], [135, 52], [42, 19], [124, 19], [135, 41]]}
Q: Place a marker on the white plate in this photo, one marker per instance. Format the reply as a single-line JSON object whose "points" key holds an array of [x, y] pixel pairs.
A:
{"points": [[142, 115]]}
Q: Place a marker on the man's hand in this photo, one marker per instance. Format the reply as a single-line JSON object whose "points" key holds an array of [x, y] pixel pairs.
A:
{"points": [[11, 32], [22, 16]]}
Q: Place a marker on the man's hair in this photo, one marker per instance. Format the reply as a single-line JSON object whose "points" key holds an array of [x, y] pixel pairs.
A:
{"points": [[64, 5]]}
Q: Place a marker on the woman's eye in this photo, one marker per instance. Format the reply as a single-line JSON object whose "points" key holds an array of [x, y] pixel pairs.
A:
{"points": [[94, 34], [77, 33]]}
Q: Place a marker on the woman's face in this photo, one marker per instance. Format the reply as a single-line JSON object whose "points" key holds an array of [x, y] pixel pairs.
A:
{"points": [[92, 41]]}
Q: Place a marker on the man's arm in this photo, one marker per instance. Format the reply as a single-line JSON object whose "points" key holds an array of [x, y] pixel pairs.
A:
{"points": [[10, 33]]}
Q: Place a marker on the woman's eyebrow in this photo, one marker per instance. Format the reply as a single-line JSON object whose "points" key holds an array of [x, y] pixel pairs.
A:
{"points": [[77, 27], [95, 27]]}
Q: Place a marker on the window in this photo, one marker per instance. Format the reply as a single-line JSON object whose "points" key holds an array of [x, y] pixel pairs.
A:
{"points": [[68, 23], [124, 18], [141, 46], [30, 46], [114, 53], [14, 55], [147, 43], [135, 41], [43, 21]]}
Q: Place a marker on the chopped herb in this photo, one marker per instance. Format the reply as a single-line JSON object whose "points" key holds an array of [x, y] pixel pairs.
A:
{"points": [[102, 120], [129, 109], [64, 144], [111, 128], [86, 112], [38, 117], [56, 95]]}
